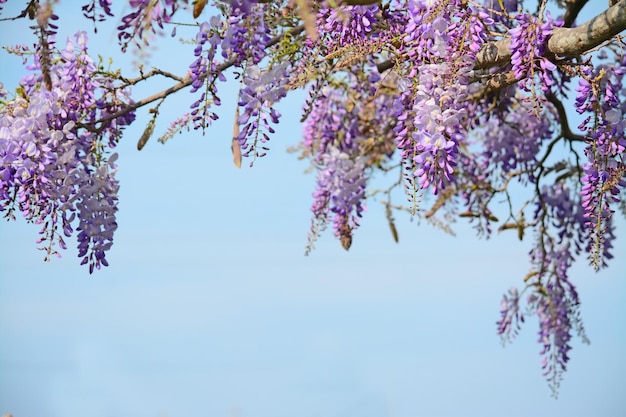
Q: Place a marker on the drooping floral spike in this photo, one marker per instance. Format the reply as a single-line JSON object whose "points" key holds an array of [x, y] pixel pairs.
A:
{"points": [[54, 171]]}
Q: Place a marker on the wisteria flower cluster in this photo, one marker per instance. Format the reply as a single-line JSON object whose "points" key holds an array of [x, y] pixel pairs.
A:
{"points": [[556, 308], [51, 170], [605, 169], [514, 138], [147, 19], [246, 36], [349, 24], [204, 73], [325, 127], [460, 98], [256, 99], [528, 44], [339, 195], [433, 115], [437, 129], [553, 298]]}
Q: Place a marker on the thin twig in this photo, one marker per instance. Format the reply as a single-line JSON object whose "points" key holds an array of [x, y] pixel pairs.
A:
{"points": [[183, 83]]}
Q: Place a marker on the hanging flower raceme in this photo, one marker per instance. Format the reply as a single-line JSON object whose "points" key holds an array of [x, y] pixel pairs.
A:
{"points": [[246, 36], [436, 126], [147, 18], [556, 306], [329, 124], [514, 137], [510, 315], [553, 297], [347, 25], [601, 92], [53, 170], [528, 47], [339, 195], [260, 91], [426, 34], [204, 73], [346, 132], [432, 111]]}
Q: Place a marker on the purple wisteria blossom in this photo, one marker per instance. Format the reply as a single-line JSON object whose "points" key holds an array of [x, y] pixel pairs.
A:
{"points": [[328, 117], [432, 111], [51, 170], [260, 92], [147, 19], [343, 142], [339, 195], [605, 169], [176, 126], [348, 25], [96, 205], [528, 45], [514, 137], [204, 73], [556, 305], [429, 135], [553, 297], [246, 36], [510, 315], [90, 10], [241, 39]]}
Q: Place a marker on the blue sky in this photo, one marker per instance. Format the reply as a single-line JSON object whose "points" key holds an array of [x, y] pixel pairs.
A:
{"points": [[210, 308]]}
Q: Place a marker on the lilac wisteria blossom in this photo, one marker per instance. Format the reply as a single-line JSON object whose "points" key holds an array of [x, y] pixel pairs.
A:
{"points": [[432, 110], [325, 121], [605, 169], [246, 36], [528, 44], [552, 296], [514, 138], [459, 107], [339, 195], [146, 19], [204, 74], [54, 172], [256, 99], [348, 25]]}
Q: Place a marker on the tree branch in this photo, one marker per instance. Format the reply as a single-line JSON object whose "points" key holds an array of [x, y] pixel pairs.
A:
{"points": [[571, 11], [566, 132], [30, 10], [185, 82], [564, 42], [572, 42]]}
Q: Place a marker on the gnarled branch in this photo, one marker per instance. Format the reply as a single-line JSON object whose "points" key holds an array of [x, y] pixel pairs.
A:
{"points": [[564, 42]]}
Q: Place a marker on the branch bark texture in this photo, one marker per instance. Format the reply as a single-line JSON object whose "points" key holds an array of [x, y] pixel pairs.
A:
{"points": [[564, 42]]}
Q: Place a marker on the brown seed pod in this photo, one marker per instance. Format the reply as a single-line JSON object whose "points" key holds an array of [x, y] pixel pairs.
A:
{"points": [[198, 7]]}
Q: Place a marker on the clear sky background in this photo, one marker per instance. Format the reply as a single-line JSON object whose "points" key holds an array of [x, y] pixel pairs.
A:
{"points": [[210, 308]]}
